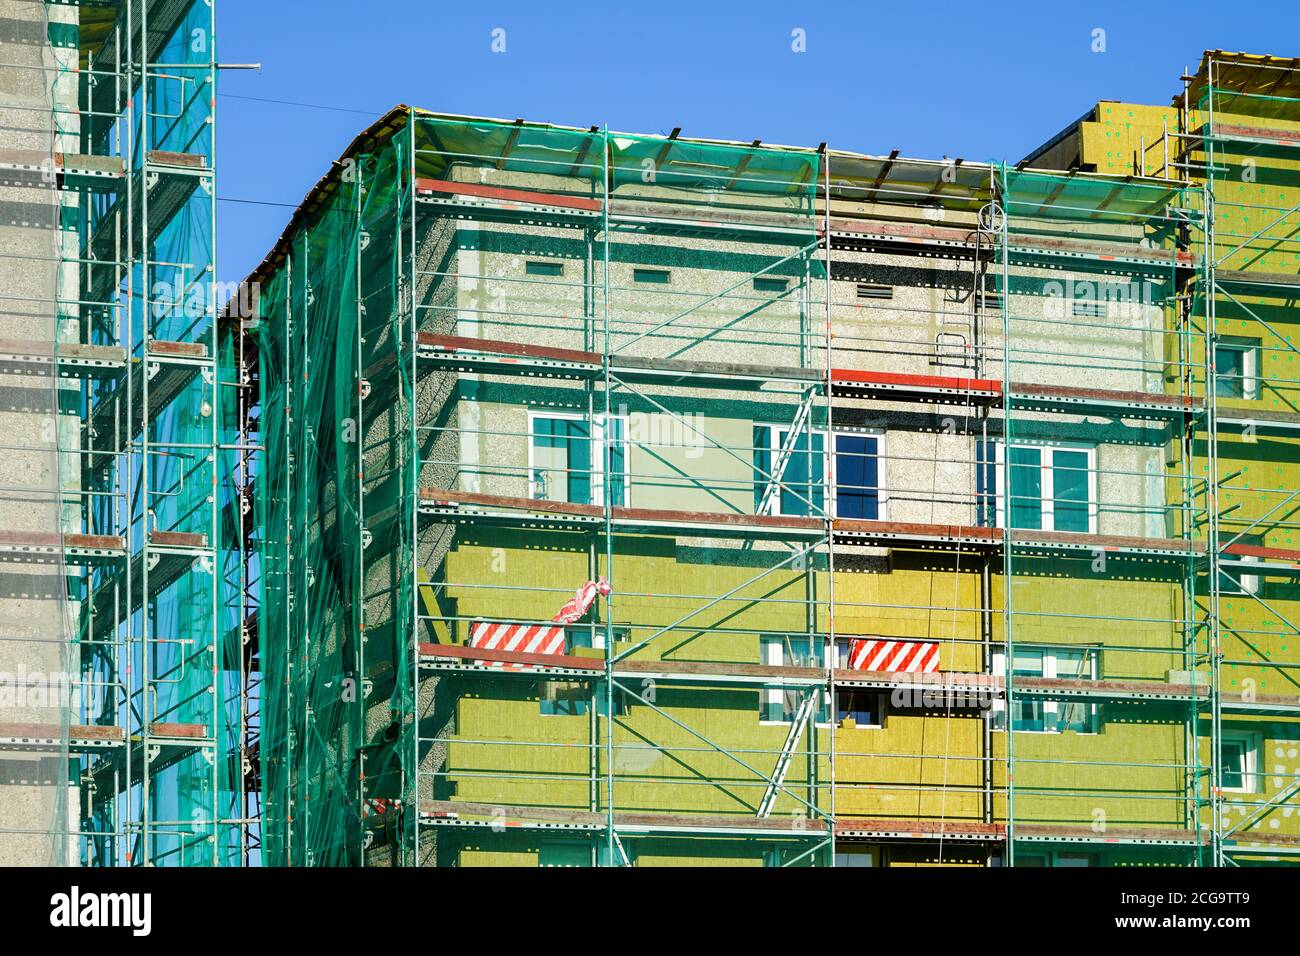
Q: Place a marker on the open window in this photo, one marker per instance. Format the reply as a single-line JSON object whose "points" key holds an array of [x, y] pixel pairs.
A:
{"points": [[1240, 773], [865, 707], [1235, 576], [1236, 367], [780, 704]]}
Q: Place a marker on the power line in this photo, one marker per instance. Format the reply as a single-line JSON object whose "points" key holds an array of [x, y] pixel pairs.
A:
{"points": [[310, 106], [257, 202]]}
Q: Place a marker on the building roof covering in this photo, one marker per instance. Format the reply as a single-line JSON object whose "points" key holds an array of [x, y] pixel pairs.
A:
{"points": [[954, 184], [1248, 75]]}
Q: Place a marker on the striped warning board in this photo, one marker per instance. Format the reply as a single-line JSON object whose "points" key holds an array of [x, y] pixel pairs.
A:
{"points": [[528, 638], [893, 656]]}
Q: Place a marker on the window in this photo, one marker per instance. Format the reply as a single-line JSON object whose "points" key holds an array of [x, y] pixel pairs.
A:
{"points": [[855, 856], [855, 478], [591, 635], [537, 267], [581, 854], [870, 290], [1035, 715], [769, 284], [865, 707], [1050, 858], [1236, 367], [1053, 488], [858, 704], [566, 459], [781, 704], [560, 698], [801, 480], [652, 276], [857, 475], [564, 698], [1240, 762], [564, 854]]}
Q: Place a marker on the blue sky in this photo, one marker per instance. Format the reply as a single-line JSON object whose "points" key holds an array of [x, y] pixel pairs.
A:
{"points": [[928, 77]]}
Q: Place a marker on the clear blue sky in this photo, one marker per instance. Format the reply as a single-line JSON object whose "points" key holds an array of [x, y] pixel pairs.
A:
{"points": [[929, 77]]}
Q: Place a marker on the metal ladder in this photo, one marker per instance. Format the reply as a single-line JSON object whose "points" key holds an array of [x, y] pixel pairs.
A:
{"points": [[787, 753], [776, 474]]}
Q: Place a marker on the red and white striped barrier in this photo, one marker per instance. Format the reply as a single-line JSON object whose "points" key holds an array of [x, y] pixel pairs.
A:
{"points": [[536, 638], [528, 638], [903, 657]]}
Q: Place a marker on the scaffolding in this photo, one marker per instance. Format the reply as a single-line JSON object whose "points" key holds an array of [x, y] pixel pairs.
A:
{"points": [[1240, 119], [137, 746], [907, 502]]}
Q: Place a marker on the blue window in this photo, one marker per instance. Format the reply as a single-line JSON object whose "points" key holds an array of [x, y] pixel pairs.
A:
{"points": [[857, 476], [802, 480]]}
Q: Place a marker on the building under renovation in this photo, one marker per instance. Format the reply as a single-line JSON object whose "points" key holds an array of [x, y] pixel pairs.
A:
{"points": [[123, 685], [637, 500], [564, 497]]}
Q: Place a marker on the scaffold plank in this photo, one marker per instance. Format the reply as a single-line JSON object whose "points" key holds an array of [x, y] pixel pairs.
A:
{"points": [[47, 737]]}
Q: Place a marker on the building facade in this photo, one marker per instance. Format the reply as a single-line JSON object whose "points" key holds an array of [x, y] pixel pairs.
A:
{"points": [[645, 500], [564, 497]]}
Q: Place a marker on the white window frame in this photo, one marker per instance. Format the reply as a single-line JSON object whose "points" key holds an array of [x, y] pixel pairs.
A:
{"points": [[1252, 745], [767, 644], [1249, 349], [830, 494], [597, 440], [1051, 708], [1047, 494]]}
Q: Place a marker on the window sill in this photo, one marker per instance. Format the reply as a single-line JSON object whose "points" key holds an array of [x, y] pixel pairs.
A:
{"points": [[821, 726]]}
